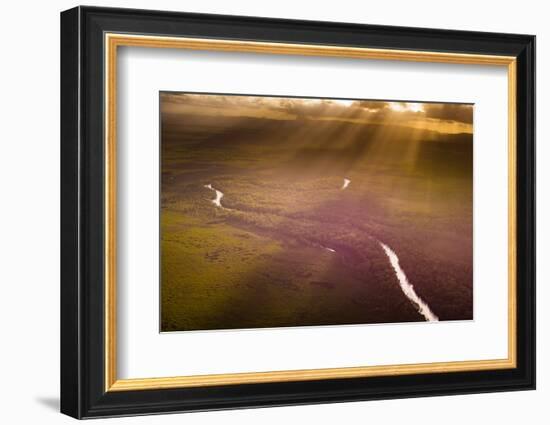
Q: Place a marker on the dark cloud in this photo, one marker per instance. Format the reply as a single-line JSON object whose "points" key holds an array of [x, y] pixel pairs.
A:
{"points": [[450, 112], [372, 105]]}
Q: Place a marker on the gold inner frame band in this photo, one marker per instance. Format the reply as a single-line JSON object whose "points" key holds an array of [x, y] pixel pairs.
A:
{"points": [[113, 41]]}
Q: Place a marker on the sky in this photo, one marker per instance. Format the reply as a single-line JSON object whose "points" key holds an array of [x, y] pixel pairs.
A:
{"points": [[447, 118]]}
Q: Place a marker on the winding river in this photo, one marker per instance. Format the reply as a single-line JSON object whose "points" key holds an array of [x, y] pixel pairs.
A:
{"points": [[346, 183], [219, 195], [404, 283]]}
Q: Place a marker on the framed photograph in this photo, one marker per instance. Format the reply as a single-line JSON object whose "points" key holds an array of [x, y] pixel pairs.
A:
{"points": [[261, 212]]}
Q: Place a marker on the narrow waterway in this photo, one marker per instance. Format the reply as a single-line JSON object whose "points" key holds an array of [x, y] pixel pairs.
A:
{"points": [[219, 195], [346, 183], [407, 288]]}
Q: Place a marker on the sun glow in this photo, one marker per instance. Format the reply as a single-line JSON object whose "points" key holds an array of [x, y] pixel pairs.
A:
{"points": [[405, 107], [343, 102]]}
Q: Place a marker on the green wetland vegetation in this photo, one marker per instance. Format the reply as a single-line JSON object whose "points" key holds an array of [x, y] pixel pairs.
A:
{"points": [[288, 245]]}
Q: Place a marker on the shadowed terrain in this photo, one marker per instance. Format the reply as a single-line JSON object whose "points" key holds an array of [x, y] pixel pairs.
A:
{"points": [[285, 243]]}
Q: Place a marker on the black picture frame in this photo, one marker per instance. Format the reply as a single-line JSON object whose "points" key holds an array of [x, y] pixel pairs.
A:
{"points": [[83, 392]]}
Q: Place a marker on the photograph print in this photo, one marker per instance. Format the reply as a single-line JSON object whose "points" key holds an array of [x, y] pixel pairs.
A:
{"points": [[291, 211]]}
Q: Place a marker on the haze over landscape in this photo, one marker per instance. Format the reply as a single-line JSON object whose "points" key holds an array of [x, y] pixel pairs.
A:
{"points": [[280, 211]]}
